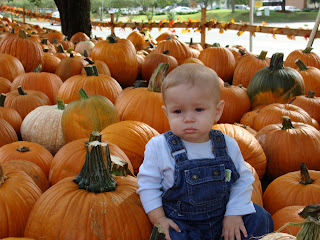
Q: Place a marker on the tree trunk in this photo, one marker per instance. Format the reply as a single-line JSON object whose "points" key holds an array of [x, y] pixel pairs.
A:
{"points": [[74, 16], [283, 5]]}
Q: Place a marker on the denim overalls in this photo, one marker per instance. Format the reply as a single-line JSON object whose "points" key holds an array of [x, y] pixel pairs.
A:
{"points": [[198, 198]]}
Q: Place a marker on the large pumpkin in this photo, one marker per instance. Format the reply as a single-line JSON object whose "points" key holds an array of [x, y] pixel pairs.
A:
{"points": [[282, 144], [310, 58], [120, 56], [10, 66], [88, 114], [69, 67], [7, 132], [275, 84], [106, 207]]}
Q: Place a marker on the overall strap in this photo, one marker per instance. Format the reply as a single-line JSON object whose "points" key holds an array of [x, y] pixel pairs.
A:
{"points": [[177, 149], [218, 143]]}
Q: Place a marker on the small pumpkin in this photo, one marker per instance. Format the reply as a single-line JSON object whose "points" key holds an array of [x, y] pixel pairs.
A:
{"points": [[7, 132], [10, 115], [5, 85], [311, 77], [10, 66], [306, 55], [69, 67]]}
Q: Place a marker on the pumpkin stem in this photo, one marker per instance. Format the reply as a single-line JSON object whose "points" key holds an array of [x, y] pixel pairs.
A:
{"points": [[54, 41], [95, 70], [23, 149], [89, 71], [119, 167], [112, 38], [22, 33], [60, 48], [95, 175], [140, 83], [83, 95], [263, 55], [2, 176], [45, 41], [191, 41], [276, 61], [2, 99], [226, 85], [286, 123], [157, 77], [216, 45], [46, 50], [311, 94], [21, 91], [85, 53], [166, 52], [305, 176], [242, 52], [310, 210], [301, 65], [157, 233], [60, 104], [307, 50], [37, 69], [89, 61]]}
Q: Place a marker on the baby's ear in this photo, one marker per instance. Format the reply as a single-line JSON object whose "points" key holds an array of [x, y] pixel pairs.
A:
{"points": [[164, 110], [219, 110]]}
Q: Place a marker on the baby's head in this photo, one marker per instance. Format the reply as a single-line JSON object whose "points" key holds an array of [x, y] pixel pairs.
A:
{"points": [[193, 74]]}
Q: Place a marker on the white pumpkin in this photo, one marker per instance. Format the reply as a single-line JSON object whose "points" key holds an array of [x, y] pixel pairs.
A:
{"points": [[43, 126], [84, 45], [278, 236]]}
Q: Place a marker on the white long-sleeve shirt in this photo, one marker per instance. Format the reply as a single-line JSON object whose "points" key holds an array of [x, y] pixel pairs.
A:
{"points": [[156, 174]]}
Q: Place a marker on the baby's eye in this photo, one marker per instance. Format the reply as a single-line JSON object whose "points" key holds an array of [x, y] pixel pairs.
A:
{"points": [[177, 111], [199, 109]]}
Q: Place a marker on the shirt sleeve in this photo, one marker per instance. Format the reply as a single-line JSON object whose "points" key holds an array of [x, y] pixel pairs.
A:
{"points": [[240, 196], [150, 179]]}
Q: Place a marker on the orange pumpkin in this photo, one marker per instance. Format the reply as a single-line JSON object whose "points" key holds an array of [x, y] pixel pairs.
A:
{"points": [[101, 209], [88, 114], [137, 38], [311, 77], [10, 66], [50, 62], [5, 85], [50, 35], [284, 158], [8, 134], [306, 55], [19, 186], [165, 35], [10, 115], [69, 67], [257, 188], [120, 56], [102, 67], [131, 137], [78, 37]]}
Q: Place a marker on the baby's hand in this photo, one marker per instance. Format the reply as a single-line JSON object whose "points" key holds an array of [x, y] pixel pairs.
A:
{"points": [[166, 223], [232, 227]]}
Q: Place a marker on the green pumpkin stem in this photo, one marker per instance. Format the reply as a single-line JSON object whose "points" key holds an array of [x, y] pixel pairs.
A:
{"points": [[286, 123], [46, 50], [22, 33], [23, 149], [21, 91], [157, 77], [95, 175], [301, 65], [307, 50], [242, 52], [95, 136], [263, 55], [95, 70], [83, 95], [311, 94], [2, 176], [60, 104], [37, 69], [166, 52], [89, 61], [157, 233], [89, 71], [226, 85], [119, 167], [45, 41], [305, 176], [112, 38], [60, 48], [85, 53], [276, 61], [2, 99], [216, 44]]}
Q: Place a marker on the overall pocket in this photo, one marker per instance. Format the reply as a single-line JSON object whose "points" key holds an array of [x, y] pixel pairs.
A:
{"points": [[206, 184]]}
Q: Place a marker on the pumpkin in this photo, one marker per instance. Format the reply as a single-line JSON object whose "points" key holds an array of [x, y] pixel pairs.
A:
{"points": [[109, 208], [137, 38], [10, 115], [70, 158], [285, 215], [151, 62], [310, 103], [88, 114], [120, 56], [48, 83], [29, 52], [165, 35], [257, 188], [250, 148], [43, 126], [294, 188], [193, 60], [311, 77], [49, 47], [87, 45], [10, 66], [306, 55], [93, 84], [196, 46], [247, 66], [78, 37], [272, 114], [237, 103], [275, 84], [284, 158], [248, 117], [131, 137], [65, 43], [18, 194], [29, 151], [102, 68], [7, 132], [61, 53], [69, 67], [50, 35], [177, 49], [5, 85], [30, 168], [24, 101], [50, 62], [129, 103], [237, 53]]}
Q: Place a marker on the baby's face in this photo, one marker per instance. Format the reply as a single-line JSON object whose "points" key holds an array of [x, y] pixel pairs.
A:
{"points": [[192, 111]]}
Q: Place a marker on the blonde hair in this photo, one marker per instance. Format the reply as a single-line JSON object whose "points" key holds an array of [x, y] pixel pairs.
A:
{"points": [[193, 74]]}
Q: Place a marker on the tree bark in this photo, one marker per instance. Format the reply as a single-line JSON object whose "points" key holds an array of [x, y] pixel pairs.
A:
{"points": [[74, 16]]}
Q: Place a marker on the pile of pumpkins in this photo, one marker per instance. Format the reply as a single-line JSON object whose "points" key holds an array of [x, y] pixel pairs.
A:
{"points": [[66, 106]]}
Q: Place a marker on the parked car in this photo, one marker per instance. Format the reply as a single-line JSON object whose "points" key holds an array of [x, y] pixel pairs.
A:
{"points": [[275, 8], [55, 14], [182, 10], [242, 6], [292, 9]]}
